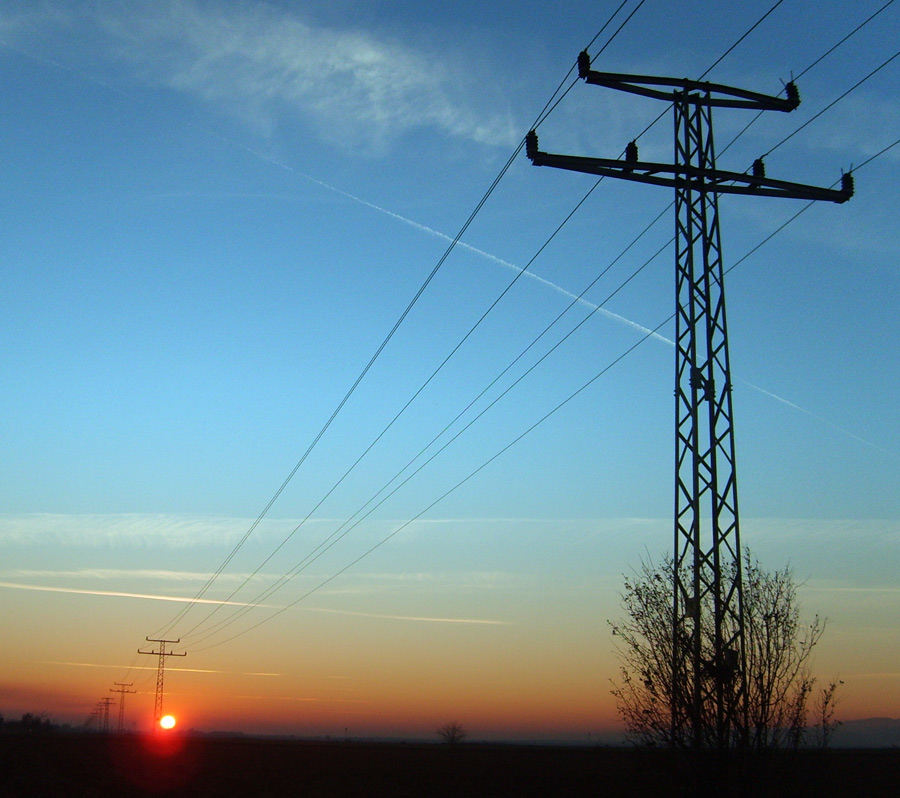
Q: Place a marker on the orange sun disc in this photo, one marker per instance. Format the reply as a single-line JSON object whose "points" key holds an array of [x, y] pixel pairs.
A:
{"points": [[167, 722]]}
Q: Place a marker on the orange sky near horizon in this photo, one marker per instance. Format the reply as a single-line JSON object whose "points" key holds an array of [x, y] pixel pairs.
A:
{"points": [[542, 673]]}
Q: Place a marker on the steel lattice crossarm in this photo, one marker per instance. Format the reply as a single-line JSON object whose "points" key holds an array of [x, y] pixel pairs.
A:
{"points": [[705, 93], [687, 175]]}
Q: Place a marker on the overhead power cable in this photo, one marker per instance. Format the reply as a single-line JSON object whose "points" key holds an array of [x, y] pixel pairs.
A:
{"points": [[543, 114], [834, 102], [187, 608], [554, 101], [362, 513], [815, 63], [826, 107], [750, 30], [391, 423], [444, 495], [531, 428]]}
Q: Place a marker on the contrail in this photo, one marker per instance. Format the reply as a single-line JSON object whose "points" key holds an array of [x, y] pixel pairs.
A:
{"points": [[819, 418], [419, 618], [186, 600], [531, 275], [117, 594], [149, 668], [444, 237]]}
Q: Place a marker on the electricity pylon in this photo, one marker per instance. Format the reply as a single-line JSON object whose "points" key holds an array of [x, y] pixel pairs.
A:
{"points": [[104, 712], [160, 673], [122, 691], [709, 690]]}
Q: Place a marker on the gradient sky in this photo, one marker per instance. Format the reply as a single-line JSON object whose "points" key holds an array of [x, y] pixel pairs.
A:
{"points": [[214, 212]]}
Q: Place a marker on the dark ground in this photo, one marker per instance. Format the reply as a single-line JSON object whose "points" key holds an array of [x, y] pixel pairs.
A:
{"points": [[98, 766]]}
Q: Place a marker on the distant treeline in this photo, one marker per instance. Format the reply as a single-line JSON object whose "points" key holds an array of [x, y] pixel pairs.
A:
{"points": [[31, 723]]}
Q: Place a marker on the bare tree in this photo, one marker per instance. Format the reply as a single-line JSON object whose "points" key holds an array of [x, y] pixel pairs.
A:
{"points": [[779, 685], [452, 733]]}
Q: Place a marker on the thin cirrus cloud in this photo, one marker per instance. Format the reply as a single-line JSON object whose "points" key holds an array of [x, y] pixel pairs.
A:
{"points": [[268, 67], [131, 529], [153, 668]]}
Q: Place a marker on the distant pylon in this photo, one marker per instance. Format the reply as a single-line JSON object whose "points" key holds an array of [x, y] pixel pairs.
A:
{"points": [[104, 709], [160, 672], [122, 692]]}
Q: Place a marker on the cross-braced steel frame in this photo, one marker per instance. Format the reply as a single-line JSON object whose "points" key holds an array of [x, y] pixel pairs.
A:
{"points": [[707, 564], [708, 692]]}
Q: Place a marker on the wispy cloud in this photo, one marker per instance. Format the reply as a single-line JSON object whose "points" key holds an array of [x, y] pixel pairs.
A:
{"points": [[153, 668], [134, 529], [102, 574], [273, 67], [417, 618], [303, 700]]}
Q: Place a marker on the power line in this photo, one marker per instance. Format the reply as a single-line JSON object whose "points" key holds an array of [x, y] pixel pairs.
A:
{"points": [[338, 534], [815, 63], [545, 417], [779, 145], [447, 493], [832, 103], [750, 30], [402, 410], [327, 543], [848, 36], [183, 612]]}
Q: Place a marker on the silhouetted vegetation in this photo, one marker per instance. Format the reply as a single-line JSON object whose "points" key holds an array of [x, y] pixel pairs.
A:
{"points": [[452, 733], [28, 724], [781, 696]]}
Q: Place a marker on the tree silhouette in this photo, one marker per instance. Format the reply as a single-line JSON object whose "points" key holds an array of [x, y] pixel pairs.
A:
{"points": [[452, 733], [780, 687]]}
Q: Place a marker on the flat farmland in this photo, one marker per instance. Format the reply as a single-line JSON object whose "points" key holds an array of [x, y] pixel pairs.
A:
{"points": [[97, 766]]}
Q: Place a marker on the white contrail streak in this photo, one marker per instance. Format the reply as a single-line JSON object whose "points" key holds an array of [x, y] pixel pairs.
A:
{"points": [[531, 275], [468, 247], [422, 619], [819, 418], [118, 594], [148, 668]]}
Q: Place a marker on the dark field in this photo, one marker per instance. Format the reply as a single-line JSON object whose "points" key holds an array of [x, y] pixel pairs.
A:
{"points": [[95, 765]]}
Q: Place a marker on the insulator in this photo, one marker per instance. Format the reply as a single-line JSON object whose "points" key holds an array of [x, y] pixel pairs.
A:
{"points": [[531, 144], [792, 93], [847, 184], [584, 64], [631, 151], [759, 168]]}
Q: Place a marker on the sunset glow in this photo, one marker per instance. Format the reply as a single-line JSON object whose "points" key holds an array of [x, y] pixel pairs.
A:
{"points": [[265, 429]]}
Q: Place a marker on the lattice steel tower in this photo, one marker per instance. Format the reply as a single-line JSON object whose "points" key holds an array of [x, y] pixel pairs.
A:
{"points": [[708, 698], [120, 688], [160, 673]]}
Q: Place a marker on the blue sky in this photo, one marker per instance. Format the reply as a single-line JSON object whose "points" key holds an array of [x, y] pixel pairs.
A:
{"points": [[215, 213]]}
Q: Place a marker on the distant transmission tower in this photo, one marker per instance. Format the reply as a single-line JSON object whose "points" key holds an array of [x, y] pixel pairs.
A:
{"points": [[708, 704], [104, 711], [160, 673], [122, 691]]}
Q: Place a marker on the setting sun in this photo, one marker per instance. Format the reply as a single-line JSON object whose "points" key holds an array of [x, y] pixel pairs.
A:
{"points": [[167, 722]]}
